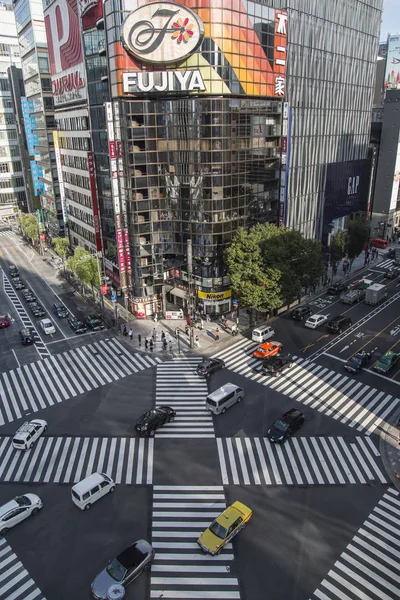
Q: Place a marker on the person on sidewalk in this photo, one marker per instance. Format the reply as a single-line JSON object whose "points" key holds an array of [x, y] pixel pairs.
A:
{"points": [[140, 339], [187, 329], [197, 341], [217, 334], [233, 330], [154, 333], [125, 332], [162, 336], [151, 345], [130, 334], [146, 343]]}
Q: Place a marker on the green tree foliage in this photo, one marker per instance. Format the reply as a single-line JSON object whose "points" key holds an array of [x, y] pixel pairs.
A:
{"points": [[84, 266], [61, 247], [29, 226], [357, 237], [337, 248]]}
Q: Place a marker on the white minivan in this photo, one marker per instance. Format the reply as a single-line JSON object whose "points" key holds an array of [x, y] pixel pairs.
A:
{"points": [[217, 402], [262, 334], [91, 489]]}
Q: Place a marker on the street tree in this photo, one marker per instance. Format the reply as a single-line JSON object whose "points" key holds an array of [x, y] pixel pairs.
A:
{"points": [[357, 238], [61, 247], [29, 226], [84, 266], [337, 249]]}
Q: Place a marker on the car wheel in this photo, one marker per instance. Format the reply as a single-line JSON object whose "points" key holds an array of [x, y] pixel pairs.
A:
{"points": [[31, 446], [239, 399], [112, 489], [35, 511], [45, 428], [147, 567], [151, 433], [172, 418], [223, 410], [87, 506], [4, 531]]}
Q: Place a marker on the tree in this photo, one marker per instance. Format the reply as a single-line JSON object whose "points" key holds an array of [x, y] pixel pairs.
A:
{"points": [[84, 266], [337, 249], [61, 247], [29, 226], [357, 237]]}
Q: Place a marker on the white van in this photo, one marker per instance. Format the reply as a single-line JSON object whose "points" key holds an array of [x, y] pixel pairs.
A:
{"points": [[217, 402], [262, 334], [91, 489]]}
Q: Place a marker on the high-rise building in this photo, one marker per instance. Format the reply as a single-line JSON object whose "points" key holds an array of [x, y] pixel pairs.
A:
{"points": [[12, 189], [38, 108]]}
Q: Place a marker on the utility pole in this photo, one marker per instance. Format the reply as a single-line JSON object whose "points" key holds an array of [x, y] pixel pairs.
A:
{"points": [[190, 276]]}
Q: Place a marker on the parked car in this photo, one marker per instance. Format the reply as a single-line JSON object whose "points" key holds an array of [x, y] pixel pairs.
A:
{"points": [[29, 295], [386, 362], [301, 312], [94, 322], [276, 364], [37, 309], [357, 362], [336, 289], [224, 528], [60, 310], [47, 326], [28, 433], [13, 271], [123, 569], [338, 324], [17, 510], [18, 284], [4, 321], [286, 426], [153, 419], [315, 321], [27, 337], [268, 349], [209, 366], [77, 325]]}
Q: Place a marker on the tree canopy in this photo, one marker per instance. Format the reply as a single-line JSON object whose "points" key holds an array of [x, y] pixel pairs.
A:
{"points": [[29, 226], [84, 266], [337, 248]]}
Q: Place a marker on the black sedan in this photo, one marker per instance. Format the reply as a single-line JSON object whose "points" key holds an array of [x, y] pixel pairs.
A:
{"points": [[37, 309], [357, 362], [94, 323], [392, 273], [209, 365], [77, 325], [286, 426], [336, 289], [29, 295], [123, 569], [13, 271], [153, 419], [299, 313], [18, 284], [60, 310], [273, 365], [27, 337]]}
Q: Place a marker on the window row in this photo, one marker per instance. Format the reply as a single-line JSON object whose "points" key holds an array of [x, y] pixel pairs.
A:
{"points": [[80, 214], [78, 197], [72, 143], [79, 180], [73, 124], [76, 162], [82, 231]]}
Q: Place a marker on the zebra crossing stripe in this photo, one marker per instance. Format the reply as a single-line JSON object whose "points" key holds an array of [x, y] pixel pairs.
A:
{"points": [[311, 461], [21, 585]]}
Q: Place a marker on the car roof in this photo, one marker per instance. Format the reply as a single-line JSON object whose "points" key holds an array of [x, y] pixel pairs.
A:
{"points": [[291, 414], [3, 317], [10, 505], [26, 331], [46, 322], [229, 515], [86, 484], [132, 554]]}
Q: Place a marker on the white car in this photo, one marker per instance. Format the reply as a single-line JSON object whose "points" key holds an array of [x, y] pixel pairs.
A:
{"points": [[47, 326], [315, 321], [28, 433], [17, 510]]}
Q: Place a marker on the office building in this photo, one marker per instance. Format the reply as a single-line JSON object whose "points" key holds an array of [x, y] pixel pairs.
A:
{"points": [[12, 189]]}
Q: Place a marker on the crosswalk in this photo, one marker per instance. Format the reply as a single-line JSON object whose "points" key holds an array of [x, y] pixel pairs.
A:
{"points": [[23, 315], [300, 461], [15, 581], [386, 264], [344, 398], [180, 570], [70, 459], [179, 386], [59, 377], [369, 567]]}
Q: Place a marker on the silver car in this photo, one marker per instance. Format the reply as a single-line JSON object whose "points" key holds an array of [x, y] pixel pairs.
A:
{"points": [[17, 510], [123, 569]]}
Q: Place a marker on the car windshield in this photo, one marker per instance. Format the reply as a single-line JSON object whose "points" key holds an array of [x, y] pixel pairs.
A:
{"points": [[22, 501], [116, 570], [386, 360], [218, 530], [281, 425], [355, 360]]}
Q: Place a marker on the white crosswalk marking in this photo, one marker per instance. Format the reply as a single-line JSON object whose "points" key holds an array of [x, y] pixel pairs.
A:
{"points": [[62, 376], [334, 394], [15, 581], [180, 569], [179, 386], [68, 460], [371, 560], [386, 264], [316, 461]]}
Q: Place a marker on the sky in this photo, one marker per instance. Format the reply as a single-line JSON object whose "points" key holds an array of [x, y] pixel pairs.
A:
{"points": [[391, 18]]}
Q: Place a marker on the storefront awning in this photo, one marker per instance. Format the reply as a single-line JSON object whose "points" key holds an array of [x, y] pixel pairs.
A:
{"points": [[178, 292]]}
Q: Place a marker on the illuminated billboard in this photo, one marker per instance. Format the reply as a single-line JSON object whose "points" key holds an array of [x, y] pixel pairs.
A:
{"points": [[201, 48], [392, 78]]}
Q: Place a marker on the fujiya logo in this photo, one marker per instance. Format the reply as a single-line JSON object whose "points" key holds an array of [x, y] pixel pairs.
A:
{"points": [[162, 32]]}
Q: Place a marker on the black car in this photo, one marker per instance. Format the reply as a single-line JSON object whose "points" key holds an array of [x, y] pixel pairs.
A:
{"points": [[94, 322], [60, 310], [273, 365], [336, 289], [27, 337], [391, 253], [37, 309], [153, 419], [339, 324], [392, 273], [357, 362], [77, 326], [18, 284], [209, 365], [29, 295], [13, 271], [286, 426], [299, 313]]}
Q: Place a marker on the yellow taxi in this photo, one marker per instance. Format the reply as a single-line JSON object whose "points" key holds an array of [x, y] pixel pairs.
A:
{"points": [[224, 528]]}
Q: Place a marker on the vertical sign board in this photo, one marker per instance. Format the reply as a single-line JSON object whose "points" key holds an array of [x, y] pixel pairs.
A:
{"points": [[95, 204], [60, 176]]}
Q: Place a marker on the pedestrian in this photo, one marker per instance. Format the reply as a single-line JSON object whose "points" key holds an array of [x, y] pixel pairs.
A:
{"points": [[151, 345], [197, 341], [208, 318], [170, 345], [130, 334], [233, 330], [162, 336], [226, 324], [140, 339], [217, 334], [164, 344], [125, 333], [155, 318], [187, 329], [201, 325], [146, 343], [154, 333]]}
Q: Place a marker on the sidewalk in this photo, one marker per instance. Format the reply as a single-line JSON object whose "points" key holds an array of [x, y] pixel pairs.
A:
{"points": [[389, 447]]}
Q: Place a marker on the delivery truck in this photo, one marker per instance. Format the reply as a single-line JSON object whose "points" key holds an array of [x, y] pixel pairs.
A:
{"points": [[375, 294]]}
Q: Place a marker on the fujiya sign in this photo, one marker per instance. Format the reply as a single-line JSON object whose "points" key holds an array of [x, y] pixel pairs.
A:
{"points": [[162, 33], [162, 81]]}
